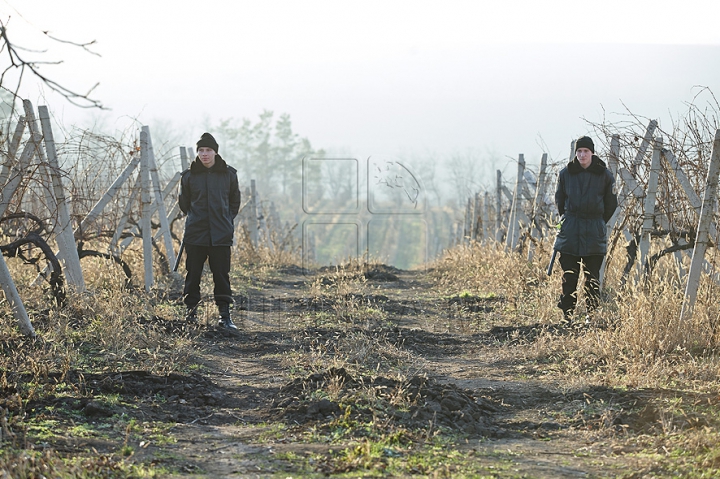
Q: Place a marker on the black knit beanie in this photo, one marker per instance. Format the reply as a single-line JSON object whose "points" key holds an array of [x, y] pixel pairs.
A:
{"points": [[208, 141], [585, 142]]}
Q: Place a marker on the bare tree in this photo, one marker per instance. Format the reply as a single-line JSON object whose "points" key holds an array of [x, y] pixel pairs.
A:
{"points": [[25, 62], [464, 174]]}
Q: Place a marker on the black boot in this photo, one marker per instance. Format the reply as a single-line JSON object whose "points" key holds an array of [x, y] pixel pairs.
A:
{"points": [[225, 320], [191, 315]]}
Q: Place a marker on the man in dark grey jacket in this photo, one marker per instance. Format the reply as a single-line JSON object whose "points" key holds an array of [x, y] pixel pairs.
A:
{"points": [[586, 200], [210, 196]]}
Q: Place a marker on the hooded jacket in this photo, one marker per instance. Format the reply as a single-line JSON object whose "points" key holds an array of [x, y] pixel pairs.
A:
{"points": [[211, 199], [586, 199]]}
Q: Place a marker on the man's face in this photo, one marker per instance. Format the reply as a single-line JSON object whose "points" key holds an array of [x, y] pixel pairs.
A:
{"points": [[584, 156], [207, 156]]}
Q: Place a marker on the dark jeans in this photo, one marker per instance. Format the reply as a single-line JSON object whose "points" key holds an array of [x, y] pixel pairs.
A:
{"points": [[571, 272], [219, 259]]}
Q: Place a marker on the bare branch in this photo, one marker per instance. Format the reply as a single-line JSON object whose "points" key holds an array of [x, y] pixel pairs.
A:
{"points": [[17, 62], [84, 46]]}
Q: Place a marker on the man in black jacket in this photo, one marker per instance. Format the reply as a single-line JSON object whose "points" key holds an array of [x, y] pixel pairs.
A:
{"points": [[586, 200], [210, 197]]}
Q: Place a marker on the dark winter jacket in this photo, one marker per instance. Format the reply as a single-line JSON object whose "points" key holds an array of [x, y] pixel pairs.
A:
{"points": [[211, 199], [587, 200]]}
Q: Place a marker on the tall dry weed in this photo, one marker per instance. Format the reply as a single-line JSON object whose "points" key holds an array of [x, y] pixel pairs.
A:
{"points": [[105, 329], [491, 271], [275, 248], [635, 337]]}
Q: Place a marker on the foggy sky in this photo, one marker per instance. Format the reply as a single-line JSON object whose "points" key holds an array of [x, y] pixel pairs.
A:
{"points": [[380, 77]]}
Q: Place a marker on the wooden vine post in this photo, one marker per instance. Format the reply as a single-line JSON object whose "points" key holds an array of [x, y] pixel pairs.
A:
{"points": [[183, 158], [467, 223], [649, 205], [613, 164], [475, 217], [629, 178], [486, 217], [145, 224], [647, 140], [685, 185], [13, 175], [513, 235], [702, 238], [538, 205], [674, 167], [13, 298], [630, 187], [12, 151], [152, 199], [175, 211], [65, 237], [159, 198], [107, 197], [498, 206], [134, 191]]}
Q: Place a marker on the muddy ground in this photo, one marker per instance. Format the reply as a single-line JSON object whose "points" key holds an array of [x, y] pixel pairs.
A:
{"points": [[254, 406]]}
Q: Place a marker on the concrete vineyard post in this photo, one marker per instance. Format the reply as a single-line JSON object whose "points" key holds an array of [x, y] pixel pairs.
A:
{"points": [[701, 243], [145, 201]]}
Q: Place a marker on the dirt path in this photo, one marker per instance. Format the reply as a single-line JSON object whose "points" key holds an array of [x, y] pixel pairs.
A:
{"points": [[531, 427], [280, 400]]}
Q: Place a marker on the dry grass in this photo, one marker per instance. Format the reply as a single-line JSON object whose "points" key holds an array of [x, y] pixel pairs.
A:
{"points": [[277, 249], [29, 464], [636, 337], [360, 352], [361, 342], [108, 328], [637, 341], [489, 271]]}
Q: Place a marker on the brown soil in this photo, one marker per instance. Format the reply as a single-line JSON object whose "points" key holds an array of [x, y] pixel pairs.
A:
{"points": [[506, 413]]}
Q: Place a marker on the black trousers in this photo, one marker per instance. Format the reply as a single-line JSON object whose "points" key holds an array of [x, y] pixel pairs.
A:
{"points": [[571, 272], [219, 259]]}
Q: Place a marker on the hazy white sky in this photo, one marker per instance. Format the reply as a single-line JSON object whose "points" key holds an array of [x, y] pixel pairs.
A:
{"points": [[380, 77]]}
